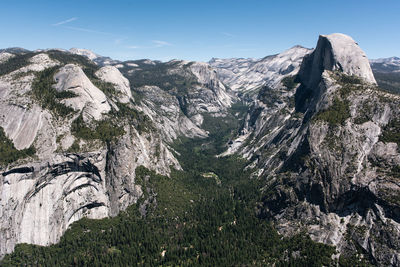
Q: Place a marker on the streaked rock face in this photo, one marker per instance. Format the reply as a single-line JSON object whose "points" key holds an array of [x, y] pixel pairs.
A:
{"points": [[324, 175], [317, 144], [247, 75], [112, 75], [41, 196], [335, 52], [91, 100]]}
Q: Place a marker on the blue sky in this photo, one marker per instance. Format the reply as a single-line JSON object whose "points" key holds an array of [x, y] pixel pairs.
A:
{"points": [[197, 30]]}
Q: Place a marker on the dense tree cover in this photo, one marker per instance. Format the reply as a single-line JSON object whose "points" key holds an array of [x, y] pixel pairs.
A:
{"points": [[105, 130], [187, 219], [128, 114], [15, 63], [336, 114], [391, 132], [159, 74], [8, 152], [67, 58], [290, 82], [47, 96]]}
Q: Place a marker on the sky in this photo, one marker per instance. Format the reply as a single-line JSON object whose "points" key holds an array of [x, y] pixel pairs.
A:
{"points": [[197, 29]]}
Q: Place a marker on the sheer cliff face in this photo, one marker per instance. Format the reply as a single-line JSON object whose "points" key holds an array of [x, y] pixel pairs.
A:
{"points": [[89, 135], [319, 132], [328, 153]]}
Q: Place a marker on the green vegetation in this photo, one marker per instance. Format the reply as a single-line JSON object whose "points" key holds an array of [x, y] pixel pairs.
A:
{"points": [[289, 82], [365, 113], [391, 132], [188, 216], [269, 96], [348, 79], [104, 130], [47, 96], [8, 153], [159, 74], [68, 58], [133, 117], [336, 114], [75, 147], [15, 63], [348, 83]]}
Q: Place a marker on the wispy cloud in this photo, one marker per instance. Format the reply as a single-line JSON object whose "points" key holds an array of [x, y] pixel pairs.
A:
{"points": [[65, 21], [228, 34], [86, 30], [156, 44], [159, 43]]}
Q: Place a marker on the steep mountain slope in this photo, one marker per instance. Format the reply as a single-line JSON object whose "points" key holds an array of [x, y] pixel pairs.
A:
{"points": [[248, 75], [74, 136], [83, 136], [328, 152], [178, 94]]}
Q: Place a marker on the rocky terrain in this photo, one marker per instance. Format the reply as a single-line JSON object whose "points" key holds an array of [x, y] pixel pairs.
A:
{"points": [[249, 75], [327, 150], [88, 133], [318, 134], [391, 64], [387, 73]]}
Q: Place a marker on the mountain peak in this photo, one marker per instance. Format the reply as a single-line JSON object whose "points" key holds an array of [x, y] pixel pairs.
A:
{"points": [[84, 52], [335, 52], [347, 56]]}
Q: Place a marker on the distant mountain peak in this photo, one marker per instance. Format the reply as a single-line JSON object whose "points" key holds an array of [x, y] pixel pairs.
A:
{"points": [[84, 52]]}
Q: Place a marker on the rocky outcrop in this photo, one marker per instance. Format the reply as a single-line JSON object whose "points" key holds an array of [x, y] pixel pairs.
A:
{"points": [[74, 172], [325, 150], [41, 196], [89, 99], [319, 133], [121, 84], [335, 52], [179, 95], [4, 56], [247, 75]]}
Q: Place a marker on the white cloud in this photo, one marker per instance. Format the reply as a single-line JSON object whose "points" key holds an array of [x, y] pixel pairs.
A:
{"points": [[86, 30], [159, 43], [65, 21], [156, 44]]}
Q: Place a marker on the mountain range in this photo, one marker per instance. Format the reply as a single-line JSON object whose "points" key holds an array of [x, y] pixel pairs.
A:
{"points": [[298, 150]]}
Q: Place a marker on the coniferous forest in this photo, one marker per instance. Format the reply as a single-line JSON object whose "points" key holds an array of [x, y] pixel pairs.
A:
{"points": [[205, 215]]}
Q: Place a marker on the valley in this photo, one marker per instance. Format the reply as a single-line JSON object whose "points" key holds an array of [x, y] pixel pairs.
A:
{"points": [[288, 160]]}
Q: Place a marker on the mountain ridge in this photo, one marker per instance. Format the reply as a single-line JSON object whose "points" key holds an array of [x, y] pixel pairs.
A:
{"points": [[306, 127]]}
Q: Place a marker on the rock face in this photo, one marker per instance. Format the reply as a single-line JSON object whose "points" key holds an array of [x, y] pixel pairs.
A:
{"points": [[41, 196], [91, 100], [113, 75], [75, 173], [335, 52], [319, 133], [247, 75], [179, 95], [327, 154]]}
